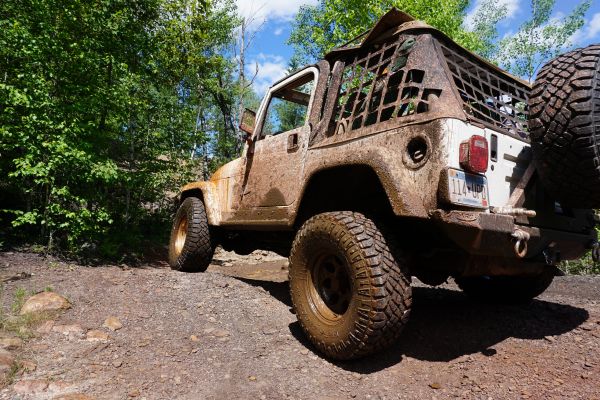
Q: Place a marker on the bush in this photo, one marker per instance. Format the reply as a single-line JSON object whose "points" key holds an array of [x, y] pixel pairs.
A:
{"points": [[105, 109], [583, 266]]}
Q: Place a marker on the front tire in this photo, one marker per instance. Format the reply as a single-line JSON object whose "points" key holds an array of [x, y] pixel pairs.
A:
{"points": [[348, 287], [191, 248], [505, 289]]}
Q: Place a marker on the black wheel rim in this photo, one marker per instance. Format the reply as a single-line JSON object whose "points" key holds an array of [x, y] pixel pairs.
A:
{"points": [[331, 286]]}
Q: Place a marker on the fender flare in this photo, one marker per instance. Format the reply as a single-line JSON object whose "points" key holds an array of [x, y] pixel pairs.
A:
{"points": [[207, 191], [402, 200]]}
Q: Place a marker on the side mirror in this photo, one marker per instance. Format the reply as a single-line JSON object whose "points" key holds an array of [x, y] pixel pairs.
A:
{"points": [[247, 122]]}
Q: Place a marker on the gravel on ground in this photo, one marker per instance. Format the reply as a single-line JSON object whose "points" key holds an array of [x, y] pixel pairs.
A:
{"points": [[153, 333]]}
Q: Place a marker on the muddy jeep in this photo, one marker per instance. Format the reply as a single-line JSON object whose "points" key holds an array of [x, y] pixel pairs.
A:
{"points": [[402, 155]]}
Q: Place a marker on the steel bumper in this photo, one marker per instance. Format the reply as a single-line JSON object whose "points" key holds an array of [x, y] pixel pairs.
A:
{"points": [[487, 234]]}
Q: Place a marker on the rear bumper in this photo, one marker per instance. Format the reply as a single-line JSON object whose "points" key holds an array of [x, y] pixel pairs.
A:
{"points": [[486, 234]]}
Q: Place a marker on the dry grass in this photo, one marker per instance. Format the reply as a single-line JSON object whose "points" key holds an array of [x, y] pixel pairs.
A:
{"points": [[22, 326]]}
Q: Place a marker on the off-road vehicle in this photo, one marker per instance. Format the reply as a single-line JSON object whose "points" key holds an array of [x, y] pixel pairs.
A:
{"points": [[402, 154]]}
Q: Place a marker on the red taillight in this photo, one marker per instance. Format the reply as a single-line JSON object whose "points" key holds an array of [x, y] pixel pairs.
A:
{"points": [[474, 154]]}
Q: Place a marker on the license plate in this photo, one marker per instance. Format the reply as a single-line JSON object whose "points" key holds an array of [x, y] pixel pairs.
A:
{"points": [[467, 189]]}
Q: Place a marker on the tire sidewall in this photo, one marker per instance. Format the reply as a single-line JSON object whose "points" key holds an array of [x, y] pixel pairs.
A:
{"points": [[185, 210]]}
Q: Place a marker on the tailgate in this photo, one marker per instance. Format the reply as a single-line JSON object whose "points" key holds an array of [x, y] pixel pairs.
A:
{"points": [[509, 158]]}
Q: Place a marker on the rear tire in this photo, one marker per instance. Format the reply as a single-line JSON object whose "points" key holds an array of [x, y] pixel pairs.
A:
{"points": [[191, 248], [564, 124], [349, 288], [506, 289]]}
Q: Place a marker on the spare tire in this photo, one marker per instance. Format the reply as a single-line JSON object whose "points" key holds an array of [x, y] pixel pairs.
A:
{"points": [[564, 125]]}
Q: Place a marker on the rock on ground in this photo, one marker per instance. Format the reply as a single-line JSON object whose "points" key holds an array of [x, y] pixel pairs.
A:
{"points": [[30, 386], [45, 301], [97, 336], [73, 396], [112, 323], [11, 343], [7, 361]]}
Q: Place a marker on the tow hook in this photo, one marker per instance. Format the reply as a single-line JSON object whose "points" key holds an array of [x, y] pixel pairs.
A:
{"points": [[521, 238], [596, 252]]}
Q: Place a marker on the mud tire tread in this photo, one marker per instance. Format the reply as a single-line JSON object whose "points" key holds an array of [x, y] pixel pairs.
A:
{"points": [[564, 124], [198, 250], [388, 282]]}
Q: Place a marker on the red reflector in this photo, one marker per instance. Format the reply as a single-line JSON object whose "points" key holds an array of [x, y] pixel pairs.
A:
{"points": [[474, 154]]}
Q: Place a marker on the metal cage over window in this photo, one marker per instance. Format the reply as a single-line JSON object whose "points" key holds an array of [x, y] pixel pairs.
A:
{"points": [[487, 96]]}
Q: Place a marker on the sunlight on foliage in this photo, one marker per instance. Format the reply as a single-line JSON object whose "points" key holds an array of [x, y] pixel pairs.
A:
{"points": [[100, 111]]}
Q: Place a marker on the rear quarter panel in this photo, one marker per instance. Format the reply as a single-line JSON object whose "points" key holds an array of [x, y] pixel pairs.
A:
{"points": [[412, 191]]}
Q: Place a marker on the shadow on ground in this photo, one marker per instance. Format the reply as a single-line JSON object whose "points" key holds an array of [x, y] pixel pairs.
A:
{"points": [[279, 290], [445, 325]]}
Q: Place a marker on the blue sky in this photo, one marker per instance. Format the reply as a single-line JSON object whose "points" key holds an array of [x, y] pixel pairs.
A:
{"points": [[270, 51]]}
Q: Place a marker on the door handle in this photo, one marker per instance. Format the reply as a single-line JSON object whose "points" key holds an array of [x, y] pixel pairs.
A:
{"points": [[292, 143]]}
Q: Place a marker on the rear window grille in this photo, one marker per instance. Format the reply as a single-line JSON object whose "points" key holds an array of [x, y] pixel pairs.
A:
{"points": [[377, 87], [489, 97]]}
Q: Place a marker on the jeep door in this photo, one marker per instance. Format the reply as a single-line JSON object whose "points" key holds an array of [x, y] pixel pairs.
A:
{"points": [[275, 161]]}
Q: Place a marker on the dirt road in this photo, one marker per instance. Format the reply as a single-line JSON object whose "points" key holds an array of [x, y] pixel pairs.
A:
{"points": [[230, 333]]}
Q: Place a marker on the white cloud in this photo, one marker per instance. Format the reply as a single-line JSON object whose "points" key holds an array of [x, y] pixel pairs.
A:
{"points": [[593, 27], [512, 8], [270, 69], [589, 31], [262, 10]]}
